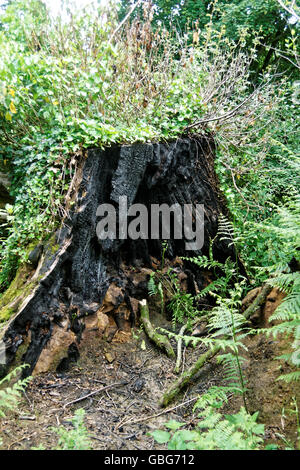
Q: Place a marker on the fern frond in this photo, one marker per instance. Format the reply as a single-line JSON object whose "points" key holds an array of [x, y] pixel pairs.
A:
{"points": [[225, 230], [9, 396], [291, 377], [152, 287]]}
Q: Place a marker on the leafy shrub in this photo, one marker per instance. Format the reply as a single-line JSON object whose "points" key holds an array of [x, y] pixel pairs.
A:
{"points": [[74, 439]]}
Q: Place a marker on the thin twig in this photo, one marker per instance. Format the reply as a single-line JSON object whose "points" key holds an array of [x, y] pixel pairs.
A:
{"points": [[118, 384], [179, 349], [131, 421], [124, 20]]}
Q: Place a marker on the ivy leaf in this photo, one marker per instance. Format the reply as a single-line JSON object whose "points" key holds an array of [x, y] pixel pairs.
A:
{"points": [[174, 425], [12, 108]]}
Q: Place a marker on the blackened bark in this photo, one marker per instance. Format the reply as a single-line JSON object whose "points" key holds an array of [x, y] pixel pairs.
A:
{"points": [[74, 277]]}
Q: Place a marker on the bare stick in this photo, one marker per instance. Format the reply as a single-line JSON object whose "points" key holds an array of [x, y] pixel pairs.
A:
{"points": [[125, 19], [223, 117], [118, 384], [179, 348]]}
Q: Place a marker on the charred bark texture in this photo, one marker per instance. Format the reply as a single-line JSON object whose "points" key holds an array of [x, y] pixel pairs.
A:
{"points": [[74, 276]]}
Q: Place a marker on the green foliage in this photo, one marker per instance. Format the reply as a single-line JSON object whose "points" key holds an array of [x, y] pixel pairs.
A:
{"points": [[227, 330], [181, 304], [257, 176], [288, 312], [156, 288], [76, 438], [267, 18], [214, 431], [10, 393], [227, 322], [65, 86], [224, 274]]}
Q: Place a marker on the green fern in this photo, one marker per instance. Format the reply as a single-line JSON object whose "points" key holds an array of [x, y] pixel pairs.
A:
{"points": [[214, 431], [226, 230], [224, 273], [76, 438], [10, 395], [288, 312], [225, 320], [152, 287], [157, 288]]}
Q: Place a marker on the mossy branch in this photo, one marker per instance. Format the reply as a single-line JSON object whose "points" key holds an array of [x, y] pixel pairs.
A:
{"points": [[187, 376], [259, 301], [160, 340]]}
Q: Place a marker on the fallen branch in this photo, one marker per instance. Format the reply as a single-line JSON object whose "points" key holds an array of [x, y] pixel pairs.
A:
{"points": [[161, 341], [186, 377], [259, 301]]}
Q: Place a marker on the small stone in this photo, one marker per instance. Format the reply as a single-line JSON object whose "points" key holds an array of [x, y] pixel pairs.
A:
{"points": [[138, 385], [109, 357], [103, 321]]}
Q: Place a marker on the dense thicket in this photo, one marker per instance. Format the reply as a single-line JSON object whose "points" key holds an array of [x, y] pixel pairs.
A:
{"points": [[266, 20]]}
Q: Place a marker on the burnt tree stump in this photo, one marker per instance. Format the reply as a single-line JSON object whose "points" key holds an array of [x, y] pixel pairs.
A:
{"points": [[77, 275]]}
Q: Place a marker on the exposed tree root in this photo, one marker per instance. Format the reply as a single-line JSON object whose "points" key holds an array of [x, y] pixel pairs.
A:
{"points": [[161, 341], [186, 377]]}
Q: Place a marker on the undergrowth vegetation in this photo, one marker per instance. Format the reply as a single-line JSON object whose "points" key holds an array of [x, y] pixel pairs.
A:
{"points": [[11, 390], [227, 329]]}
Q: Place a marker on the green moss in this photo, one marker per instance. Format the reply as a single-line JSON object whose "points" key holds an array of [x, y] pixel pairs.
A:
{"points": [[6, 313], [12, 298], [50, 245], [54, 248], [23, 284]]}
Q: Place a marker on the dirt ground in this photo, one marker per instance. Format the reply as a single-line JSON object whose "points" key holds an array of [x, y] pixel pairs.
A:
{"points": [[133, 376]]}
